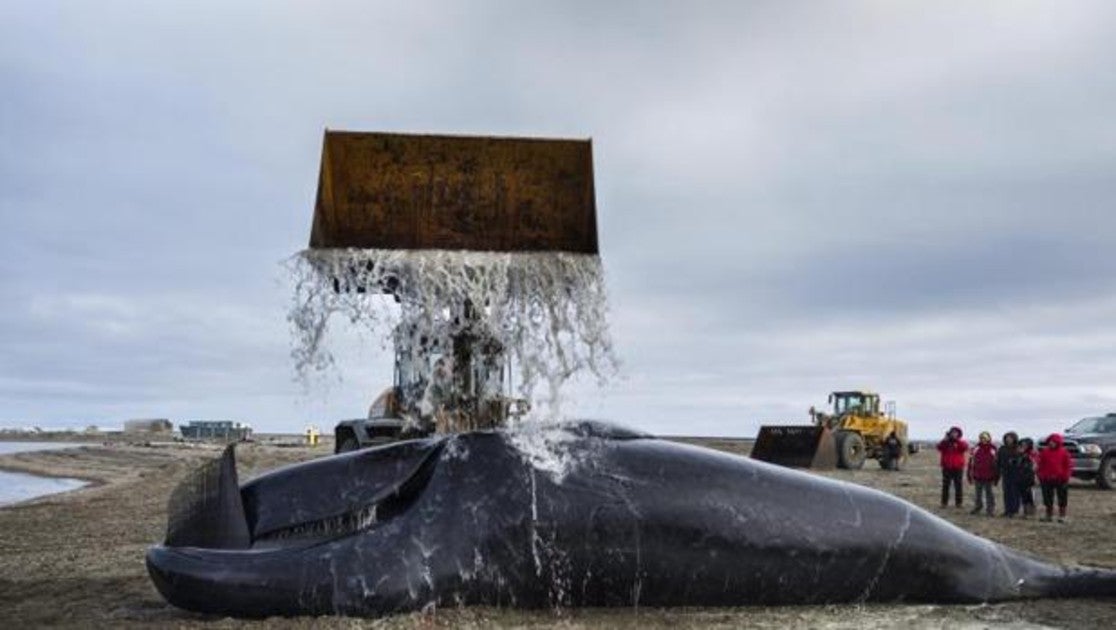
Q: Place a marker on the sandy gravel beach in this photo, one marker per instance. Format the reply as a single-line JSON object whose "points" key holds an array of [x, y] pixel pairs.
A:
{"points": [[76, 559]]}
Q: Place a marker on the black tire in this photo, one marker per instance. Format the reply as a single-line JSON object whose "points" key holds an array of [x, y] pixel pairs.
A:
{"points": [[896, 466], [1106, 475], [912, 447], [850, 450], [348, 444]]}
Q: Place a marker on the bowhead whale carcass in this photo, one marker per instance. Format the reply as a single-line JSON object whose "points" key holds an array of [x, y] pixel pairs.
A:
{"points": [[583, 514]]}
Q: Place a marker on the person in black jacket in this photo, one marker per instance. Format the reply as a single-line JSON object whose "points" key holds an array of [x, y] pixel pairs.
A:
{"points": [[1026, 476], [1008, 462], [892, 451]]}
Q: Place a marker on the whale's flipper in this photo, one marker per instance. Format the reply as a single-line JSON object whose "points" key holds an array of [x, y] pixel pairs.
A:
{"points": [[205, 510]]}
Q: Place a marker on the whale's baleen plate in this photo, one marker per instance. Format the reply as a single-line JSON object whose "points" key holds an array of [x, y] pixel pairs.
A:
{"points": [[583, 515]]}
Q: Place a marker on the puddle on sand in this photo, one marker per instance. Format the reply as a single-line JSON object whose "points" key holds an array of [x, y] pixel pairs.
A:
{"points": [[17, 486]]}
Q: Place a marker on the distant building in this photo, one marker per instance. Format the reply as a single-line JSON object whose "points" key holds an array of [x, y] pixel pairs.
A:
{"points": [[225, 430], [148, 425]]}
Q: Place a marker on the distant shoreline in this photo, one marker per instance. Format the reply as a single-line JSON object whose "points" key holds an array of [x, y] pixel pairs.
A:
{"points": [[8, 435]]}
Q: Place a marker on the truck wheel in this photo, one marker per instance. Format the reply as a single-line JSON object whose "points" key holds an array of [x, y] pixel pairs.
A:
{"points": [[348, 444], [850, 450], [1106, 475]]}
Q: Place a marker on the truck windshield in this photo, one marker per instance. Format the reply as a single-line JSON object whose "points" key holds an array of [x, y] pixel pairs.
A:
{"points": [[1094, 425]]}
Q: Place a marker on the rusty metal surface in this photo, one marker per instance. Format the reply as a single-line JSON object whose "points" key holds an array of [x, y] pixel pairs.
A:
{"points": [[398, 191], [796, 446]]}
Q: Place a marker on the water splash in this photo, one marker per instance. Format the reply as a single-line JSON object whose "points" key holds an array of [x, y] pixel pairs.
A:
{"points": [[548, 310], [546, 447]]}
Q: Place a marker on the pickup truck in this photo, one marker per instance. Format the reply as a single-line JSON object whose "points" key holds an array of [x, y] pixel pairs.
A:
{"points": [[1092, 444]]}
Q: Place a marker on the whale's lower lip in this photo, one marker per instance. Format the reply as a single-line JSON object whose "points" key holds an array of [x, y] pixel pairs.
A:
{"points": [[170, 570], [243, 583]]}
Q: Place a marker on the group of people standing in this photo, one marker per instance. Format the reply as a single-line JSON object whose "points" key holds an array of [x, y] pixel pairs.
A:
{"points": [[1014, 465]]}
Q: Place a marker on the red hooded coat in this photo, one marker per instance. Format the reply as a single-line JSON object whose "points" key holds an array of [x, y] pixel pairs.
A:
{"points": [[953, 453], [1054, 462]]}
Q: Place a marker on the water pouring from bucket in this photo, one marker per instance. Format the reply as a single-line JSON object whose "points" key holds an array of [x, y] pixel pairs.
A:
{"points": [[476, 257]]}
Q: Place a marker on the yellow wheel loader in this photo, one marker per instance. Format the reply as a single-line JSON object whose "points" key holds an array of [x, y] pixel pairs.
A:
{"points": [[856, 429]]}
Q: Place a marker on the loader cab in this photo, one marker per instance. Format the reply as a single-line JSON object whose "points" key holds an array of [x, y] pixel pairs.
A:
{"points": [[463, 377], [855, 403]]}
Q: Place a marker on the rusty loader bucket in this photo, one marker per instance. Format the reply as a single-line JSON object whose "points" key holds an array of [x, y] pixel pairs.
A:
{"points": [[398, 191], [796, 446]]}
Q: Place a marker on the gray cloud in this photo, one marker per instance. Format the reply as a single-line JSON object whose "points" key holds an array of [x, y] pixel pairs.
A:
{"points": [[792, 197]]}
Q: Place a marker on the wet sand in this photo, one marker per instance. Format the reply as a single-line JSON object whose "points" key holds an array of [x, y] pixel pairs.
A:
{"points": [[76, 559]]}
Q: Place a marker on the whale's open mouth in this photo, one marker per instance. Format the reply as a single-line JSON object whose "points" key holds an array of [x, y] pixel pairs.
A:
{"points": [[332, 527], [314, 501]]}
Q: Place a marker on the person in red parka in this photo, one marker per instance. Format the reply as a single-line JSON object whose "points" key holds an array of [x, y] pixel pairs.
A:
{"points": [[984, 473], [1055, 467], [953, 450]]}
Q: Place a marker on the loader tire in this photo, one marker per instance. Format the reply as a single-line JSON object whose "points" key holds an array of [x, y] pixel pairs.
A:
{"points": [[348, 445], [850, 450]]}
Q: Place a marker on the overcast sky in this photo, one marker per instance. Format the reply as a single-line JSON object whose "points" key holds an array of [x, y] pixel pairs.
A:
{"points": [[793, 197]]}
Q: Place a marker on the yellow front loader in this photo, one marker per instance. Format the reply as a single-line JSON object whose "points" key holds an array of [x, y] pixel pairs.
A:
{"points": [[856, 429]]}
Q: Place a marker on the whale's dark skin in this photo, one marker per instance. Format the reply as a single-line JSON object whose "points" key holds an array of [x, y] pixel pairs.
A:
{"points": [[614, 519]]}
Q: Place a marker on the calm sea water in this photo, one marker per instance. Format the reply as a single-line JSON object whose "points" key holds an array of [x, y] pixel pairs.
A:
{"points": [[16, 487]]}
